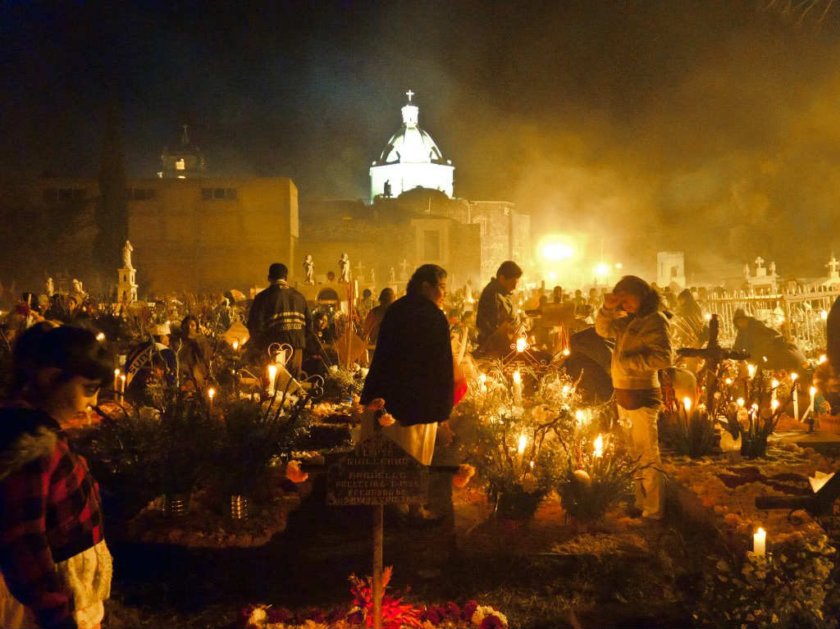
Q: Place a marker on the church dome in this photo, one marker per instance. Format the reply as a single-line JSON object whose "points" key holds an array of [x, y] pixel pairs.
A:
{"points": [[411, 144]]}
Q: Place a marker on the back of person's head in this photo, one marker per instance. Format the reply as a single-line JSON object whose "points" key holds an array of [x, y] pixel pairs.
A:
{"points": [[367, 293], [432, 274], [648, 296], [386, 296], [277, 271], [73, 351], [509, 269]]}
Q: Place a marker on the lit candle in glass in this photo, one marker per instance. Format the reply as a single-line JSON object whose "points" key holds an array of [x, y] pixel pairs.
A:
{"points": [[235, 345], [521, 344], [122, 385], [687, 404], [813, 392], [760, 542], [116, 381], [211, 393], [795, 395]]}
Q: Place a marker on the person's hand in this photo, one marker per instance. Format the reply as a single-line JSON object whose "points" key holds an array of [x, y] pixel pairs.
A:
{"points": [[610, 301]]}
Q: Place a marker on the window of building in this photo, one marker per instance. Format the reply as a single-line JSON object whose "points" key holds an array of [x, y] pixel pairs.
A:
{"points": [[431, 244], [226, 194], [180, 164], [206, 194], [218, 193], [230, 194]]}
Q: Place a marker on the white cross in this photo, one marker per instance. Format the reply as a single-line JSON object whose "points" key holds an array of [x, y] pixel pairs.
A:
{"points": [[759, 261], [833, 264], [409, 93]]}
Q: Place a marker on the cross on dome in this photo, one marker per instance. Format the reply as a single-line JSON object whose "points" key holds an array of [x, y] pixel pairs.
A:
{"points": [[409, 93]]}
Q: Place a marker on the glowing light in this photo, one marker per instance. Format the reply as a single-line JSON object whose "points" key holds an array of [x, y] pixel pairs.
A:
{"points": [[774, 404], [517, 377], [580, 417], [708, 316], [523, 443], [100, 337], [687, 403], [813, 391], [556, 249], [602, 270], [824, 315], [272, 377], [822, 359], [760, 542], [211, 393], [740, 402], [521, 344], [794, 376], [774, 383], [235, 345], [728, 381], [598, 447], [751, 369], [567, 388], [566, 352]]}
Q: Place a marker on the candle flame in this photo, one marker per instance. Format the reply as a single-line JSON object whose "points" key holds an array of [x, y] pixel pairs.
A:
{"points": [[116, 373], [211, 393], [824, 315], [740, 402], [566, 352], [687, 403], [728, 381], [822, 359], [813, 391], [523, 443], [751, 369], [100, 337], [517, 377], [794, 376], [774, 404], [521, 344], [272, 373], [598, 446], [774, 383], [580, 416], [235, 345]]}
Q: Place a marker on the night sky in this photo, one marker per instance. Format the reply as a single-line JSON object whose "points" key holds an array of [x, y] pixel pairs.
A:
{"points": [[714, 126]]}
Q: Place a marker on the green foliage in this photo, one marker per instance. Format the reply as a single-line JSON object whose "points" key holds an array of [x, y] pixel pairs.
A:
{"points": [[591, 484], [342, 384], [247, 438], [689, 433]]}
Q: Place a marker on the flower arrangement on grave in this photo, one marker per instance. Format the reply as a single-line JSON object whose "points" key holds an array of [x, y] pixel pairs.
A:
{"points": [[249, 435], [397, 613], [689, 430], [597, 473], [754, 418], [343, 385], [513, 416]]}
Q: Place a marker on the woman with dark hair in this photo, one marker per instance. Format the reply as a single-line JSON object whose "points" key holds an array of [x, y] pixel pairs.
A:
{"points": [[412, 368], [631, 316], [56, 568], [193, 354]]}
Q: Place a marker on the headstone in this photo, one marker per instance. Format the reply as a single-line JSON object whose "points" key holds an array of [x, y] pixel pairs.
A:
{"points": [[670, 268], [377, 472]]}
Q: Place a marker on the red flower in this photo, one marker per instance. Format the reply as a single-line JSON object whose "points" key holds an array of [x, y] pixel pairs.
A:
{"points": [[468, 610], [492, 622]]}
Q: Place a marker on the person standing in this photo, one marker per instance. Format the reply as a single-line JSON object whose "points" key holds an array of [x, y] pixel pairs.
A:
{"points": [[374, 317], [56, 568], [496, 316], [631, 316], [412, 368], [280, 314]]}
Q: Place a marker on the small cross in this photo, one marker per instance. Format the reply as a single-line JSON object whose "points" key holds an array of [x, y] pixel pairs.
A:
{"points": [[833, 265], [360, 267], [409, 93], [759, 261]]}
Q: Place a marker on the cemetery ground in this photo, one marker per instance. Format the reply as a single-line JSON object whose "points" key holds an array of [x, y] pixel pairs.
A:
{"points": [[541, 572]]}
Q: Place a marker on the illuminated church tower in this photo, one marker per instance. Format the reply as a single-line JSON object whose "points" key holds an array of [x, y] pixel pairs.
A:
{"points": [[186, 161], [410, 160]]}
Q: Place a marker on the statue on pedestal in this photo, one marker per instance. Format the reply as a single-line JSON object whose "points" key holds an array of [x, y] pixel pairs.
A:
{"points": [[344, 269], [392, 276], [78, 289], [49, 287], [126, 255], [309, 269]]}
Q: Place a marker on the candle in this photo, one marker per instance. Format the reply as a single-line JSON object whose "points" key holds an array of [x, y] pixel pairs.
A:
{"points": [[795, 394], [521, 344], [272, 377], [523, 443], [774, 384], [517, 387], [211, 393], [760, 542], [687, 404], [235, 345], [116, 381], [598, 447], [482, 383], [122, 385], [813, 392], [751, 369]]}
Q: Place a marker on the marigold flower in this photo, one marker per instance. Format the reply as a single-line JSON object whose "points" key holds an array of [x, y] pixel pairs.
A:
{"points": [[463, 475], [386, 419], [294, 473]]}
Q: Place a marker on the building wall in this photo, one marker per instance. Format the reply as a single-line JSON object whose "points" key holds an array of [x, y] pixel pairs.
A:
{"points": [[211, 234]]}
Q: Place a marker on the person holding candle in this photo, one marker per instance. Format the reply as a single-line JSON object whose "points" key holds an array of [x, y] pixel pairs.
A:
{"points": [[496, 316], [55, 566], [631, 315]]}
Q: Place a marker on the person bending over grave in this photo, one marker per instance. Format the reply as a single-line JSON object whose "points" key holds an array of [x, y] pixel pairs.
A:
{"points": [[767, 348], [631, 316]]}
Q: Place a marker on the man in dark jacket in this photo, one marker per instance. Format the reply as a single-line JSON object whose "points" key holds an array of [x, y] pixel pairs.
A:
{"points": [[496, 316], [280, 314], [412, 368], [766, 347]]}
